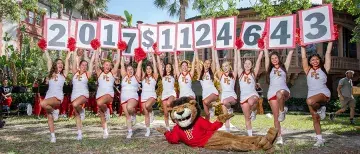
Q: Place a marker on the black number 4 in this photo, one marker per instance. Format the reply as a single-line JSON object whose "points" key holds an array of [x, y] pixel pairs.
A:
{"points": [[283, 36]]}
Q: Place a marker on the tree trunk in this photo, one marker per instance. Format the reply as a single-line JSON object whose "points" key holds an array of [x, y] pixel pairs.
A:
{"points": [[71, 14], [182, 10]]}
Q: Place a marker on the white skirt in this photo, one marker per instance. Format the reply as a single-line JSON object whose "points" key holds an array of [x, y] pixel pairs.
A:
{"points": [[166, 94], [245, 97], [77, 94], [127, 95], [188, 93], [58, 95], [206, 92], [274, 89], [324, 91], [145, 95], [228, 94]]}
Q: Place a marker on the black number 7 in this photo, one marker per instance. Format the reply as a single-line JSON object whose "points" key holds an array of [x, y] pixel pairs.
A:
{"points": [[131, 41]]}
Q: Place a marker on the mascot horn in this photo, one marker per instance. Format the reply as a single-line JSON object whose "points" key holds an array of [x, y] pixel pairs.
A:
{"points": [[195, 131]]}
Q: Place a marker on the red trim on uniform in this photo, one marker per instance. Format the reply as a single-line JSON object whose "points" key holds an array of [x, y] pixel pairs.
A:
{"points": [[248, 99], [210, 95], [129, 100], [148, 99], [105, 95], [274, 98], [82, 96]]}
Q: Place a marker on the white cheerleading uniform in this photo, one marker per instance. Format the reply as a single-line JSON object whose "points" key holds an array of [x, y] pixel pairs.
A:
{"points": [[227, 86], [247, 87], [208, 86], [56, 85], [105, 85], [129, 88], [277, 82], [168, 83], [80, 86], [148, 88], [316, 81], [185, 85]]}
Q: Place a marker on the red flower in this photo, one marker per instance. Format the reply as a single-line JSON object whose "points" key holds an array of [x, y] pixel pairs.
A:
{"points": [[154, 46], [42, 44], [139, 54], [177, 52], [297, 36], [239, 43], [263, 35], [122, 45], [261, 43], [336, 32], [95, 44], [71, 44]]}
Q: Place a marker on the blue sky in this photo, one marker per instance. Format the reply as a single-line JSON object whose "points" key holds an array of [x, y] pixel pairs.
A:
{"points": [[145, 10]]}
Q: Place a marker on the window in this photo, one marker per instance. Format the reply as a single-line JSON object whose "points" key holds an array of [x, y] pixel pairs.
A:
{"points": [[349, 49], [31, 17], [334, 50], [39, 19]]}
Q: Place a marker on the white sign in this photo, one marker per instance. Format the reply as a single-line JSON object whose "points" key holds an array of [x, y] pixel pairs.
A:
{"points": [[109, 30], [86, 31], [57, 32], [132, 39], [225, 33], [166, 38], [250, 34], [184, 37], [148, 36], [281, 32], [203, 33]]}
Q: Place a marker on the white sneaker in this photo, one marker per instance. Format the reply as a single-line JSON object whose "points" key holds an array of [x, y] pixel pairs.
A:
{"points": [[133, 120], [79, 137], [280, 141], [230, 110], [282, 114], [55, 115], [319, 143], [53, 140], [151, 116], [227, 130], [106, 135], [253, 115], [147, 134], [107, 114], [82, 114], [212, 112], [322, 113], [129, 135]]}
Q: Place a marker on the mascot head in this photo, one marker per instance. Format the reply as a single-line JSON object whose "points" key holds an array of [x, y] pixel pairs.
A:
{"points": [[185, 112]]}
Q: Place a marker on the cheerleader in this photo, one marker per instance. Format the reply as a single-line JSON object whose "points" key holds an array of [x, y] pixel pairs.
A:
{"points": [[105, 92], [206, 78], [55, 95], [249, 97], [129, 96], [168, 94], [318, 93], [227, 82], [148, 93], [80, 92], [185, 77], [278, 91]]}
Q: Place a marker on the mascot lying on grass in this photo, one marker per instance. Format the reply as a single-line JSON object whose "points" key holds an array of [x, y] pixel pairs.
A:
{"points": [[195, 131]]}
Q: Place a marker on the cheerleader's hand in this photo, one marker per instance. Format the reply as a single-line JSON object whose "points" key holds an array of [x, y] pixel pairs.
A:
{"points": [[161, 130], [222, 118]]}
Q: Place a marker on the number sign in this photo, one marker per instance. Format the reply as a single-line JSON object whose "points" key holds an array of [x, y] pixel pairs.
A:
{"points": [[108, 33], [225, 33], [281, 32], [166, 37], [132, 39], [86, 31], [184, 37], [57, 32], [316, 24], [250, 33], [148, 36], [203, 33]]}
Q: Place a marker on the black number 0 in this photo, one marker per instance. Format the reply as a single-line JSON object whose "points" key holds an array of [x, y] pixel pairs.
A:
{"points": [[55, 40]]}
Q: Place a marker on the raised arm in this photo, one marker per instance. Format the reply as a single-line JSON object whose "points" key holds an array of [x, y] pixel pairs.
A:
{"points": [[267, 59], [192, 71], [213, 63], [48, 58], [75, 58], [156, 73], [327, 64], [66, 70], [122, 67], [239, 63], [176, 61], [304, 60], [97, 67], [198, 65], [117, 63], [91, 65], [218, 72], [139, 70], [288, 59], [159, 65], [235, 64], [258, 63]]}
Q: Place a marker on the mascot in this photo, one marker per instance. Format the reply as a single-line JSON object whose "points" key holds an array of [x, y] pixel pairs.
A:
{"points": [[195, 131]]}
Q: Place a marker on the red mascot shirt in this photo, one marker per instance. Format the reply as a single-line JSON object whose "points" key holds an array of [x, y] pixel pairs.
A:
{"points": [[197, 136]]}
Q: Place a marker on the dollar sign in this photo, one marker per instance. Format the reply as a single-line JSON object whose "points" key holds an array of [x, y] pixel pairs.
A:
{"points": [[147, 37]]}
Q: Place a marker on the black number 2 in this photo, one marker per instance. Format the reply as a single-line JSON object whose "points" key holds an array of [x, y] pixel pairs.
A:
{"points": [[283, 36], [201, 40], [55, 40], [321, 29]]}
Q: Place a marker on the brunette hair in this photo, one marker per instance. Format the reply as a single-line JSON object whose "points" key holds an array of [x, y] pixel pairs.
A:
{"points": [[54, 68]]}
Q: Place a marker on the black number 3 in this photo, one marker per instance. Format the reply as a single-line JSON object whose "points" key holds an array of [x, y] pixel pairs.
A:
{"points": [[320, 18]]}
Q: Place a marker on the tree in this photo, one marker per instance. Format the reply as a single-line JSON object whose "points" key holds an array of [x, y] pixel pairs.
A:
{"points": [[175, 7], [268, 8], [219, 8], [91, 9]]}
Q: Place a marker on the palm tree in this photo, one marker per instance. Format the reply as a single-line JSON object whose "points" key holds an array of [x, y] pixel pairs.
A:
{"points": [[175, 7], [91, 9]]}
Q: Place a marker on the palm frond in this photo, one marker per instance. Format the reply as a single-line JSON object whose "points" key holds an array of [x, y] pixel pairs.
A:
{"points": [[174, 9], [161, 4]]}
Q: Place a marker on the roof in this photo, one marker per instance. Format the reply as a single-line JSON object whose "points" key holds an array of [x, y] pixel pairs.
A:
{"points": [[165, 22], [113, 16]]}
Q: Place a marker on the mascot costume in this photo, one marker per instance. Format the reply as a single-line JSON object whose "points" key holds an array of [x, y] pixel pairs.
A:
{"points": [[195, 131]]}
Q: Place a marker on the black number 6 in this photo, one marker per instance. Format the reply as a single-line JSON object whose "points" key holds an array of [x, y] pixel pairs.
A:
{"points": [[248, 33]]}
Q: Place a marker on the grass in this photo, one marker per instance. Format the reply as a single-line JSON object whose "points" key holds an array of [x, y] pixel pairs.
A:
{"points": [[30, 135]]}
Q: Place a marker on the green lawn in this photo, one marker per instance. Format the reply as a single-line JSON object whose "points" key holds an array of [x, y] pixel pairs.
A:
{"points": [[30, 135]]}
